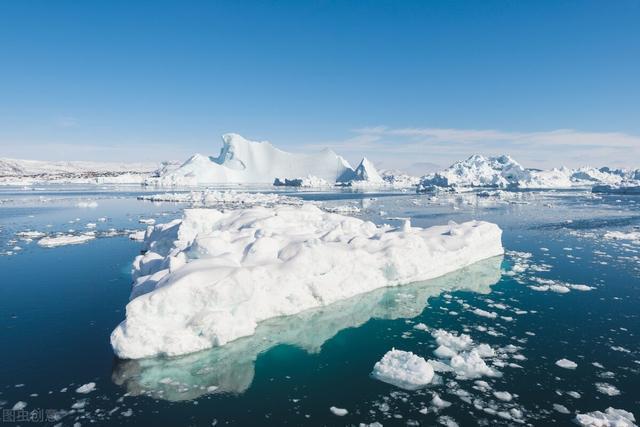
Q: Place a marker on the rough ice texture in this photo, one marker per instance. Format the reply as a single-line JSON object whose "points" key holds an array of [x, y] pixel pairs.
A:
{"points": [[211, 277], [504, 172], [403, 369], [65, 239], [611, 417], [460, 355], [252, 162]]}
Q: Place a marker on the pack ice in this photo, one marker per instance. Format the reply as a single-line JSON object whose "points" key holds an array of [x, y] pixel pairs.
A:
{"points": [[210, 277]]}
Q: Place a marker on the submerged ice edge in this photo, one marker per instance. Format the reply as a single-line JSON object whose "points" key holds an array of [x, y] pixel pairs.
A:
{"points": [[231, 368], [211, 277]]}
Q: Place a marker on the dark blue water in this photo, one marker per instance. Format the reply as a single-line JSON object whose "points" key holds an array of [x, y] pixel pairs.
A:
{"points": [[58, 307]]}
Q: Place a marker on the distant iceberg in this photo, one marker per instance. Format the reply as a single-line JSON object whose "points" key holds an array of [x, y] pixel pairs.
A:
{"points": [[242, 161], [504, 172]]}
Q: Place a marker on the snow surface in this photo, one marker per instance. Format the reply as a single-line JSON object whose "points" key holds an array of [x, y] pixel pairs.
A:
{"points": [[211, 277], [609, 418], [403, 369]]}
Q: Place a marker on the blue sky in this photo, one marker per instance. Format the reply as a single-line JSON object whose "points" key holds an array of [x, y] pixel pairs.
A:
{"points": [[405, 83]]}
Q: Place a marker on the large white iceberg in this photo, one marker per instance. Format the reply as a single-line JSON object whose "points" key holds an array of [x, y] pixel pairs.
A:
{"points": [[211, 277], [252, 162]]}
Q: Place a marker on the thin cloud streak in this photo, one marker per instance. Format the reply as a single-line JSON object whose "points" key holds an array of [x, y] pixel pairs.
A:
{"points": [[395, 147]]}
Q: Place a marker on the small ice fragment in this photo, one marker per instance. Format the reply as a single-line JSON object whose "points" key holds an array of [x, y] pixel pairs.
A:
{"points": [[566, 364], [503, 395], [86, 388], [341, 412]]}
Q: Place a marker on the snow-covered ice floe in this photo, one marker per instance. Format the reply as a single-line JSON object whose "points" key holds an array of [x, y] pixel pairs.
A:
{"points": [[66, 239], [231, 367], [403, 369], [211, 277], [611, 417]]}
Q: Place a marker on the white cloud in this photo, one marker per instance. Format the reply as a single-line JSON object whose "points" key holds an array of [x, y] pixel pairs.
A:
{"points": [[400, 147]]}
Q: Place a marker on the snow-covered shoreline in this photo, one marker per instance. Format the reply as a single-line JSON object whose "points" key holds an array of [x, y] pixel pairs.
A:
{"points": [[210, 278]]}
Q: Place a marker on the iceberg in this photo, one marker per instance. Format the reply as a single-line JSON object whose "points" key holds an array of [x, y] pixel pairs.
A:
{"points": [[211, 277], [243, 161], [504, 172], [478, 171], [231, 368], [366, 171], [611, 417]]}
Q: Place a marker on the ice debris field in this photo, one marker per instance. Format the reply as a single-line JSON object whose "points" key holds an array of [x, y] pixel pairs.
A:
{"points": [[267, 298]]}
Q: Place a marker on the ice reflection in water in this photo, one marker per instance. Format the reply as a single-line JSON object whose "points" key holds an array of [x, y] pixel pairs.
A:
{"points": [[231, 368]]}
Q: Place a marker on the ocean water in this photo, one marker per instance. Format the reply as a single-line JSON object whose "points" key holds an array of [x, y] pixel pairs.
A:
{"points": [[59, 305]]}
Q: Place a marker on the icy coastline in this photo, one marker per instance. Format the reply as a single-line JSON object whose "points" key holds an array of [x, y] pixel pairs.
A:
{"points": [[211, 277]]}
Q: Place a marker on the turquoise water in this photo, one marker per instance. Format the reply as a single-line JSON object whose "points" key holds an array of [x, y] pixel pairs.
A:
{"points": [[59, 305]]}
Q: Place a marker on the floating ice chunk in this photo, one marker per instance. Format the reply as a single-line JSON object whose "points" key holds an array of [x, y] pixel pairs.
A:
{"points": [[147, 221], [65, 239], [609, 418], [561, 408], [566, 364], [608, 389], [470, 365], [447, 421], [137, 235], [341, 412], [503, 395], [86, 388], [438, 402], [454, 342], [484, 313], [421, 327], [29, 235], [245, 266], [19, 406], [403, 369]]}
